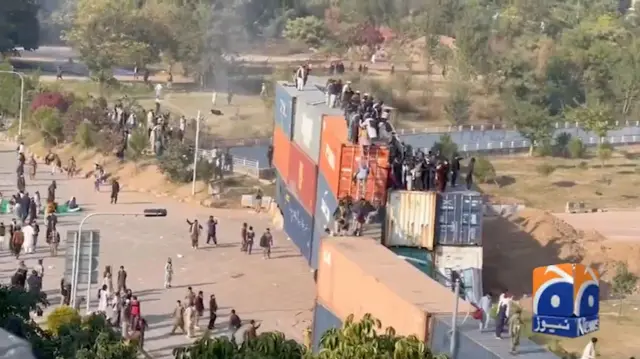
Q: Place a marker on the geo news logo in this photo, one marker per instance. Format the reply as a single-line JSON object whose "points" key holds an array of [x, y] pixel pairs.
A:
{"points": [[566, 300]]}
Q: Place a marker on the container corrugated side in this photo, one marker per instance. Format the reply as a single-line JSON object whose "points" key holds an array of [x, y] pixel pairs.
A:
{"points": [[323, 320], [377, 159], [303, 178], [284, 108], [281, 151], [326, 204], [298, 224], [410, 219], [460, 217], [280, 190], [358, 275]]}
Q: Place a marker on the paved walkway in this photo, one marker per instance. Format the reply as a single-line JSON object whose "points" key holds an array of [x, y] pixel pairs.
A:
{"points": [[278, 292]]}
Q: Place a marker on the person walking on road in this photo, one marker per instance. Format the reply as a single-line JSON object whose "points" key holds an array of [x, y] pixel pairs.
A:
{"points": [[122, 280], [266, 242], [213, 308], [178, 318], [51, 192], [194, 232], [115, 189], [251, 235], [168, 273], [212, 225], [199, 306]]}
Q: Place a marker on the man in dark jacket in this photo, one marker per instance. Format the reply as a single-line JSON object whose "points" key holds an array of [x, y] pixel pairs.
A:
{"points": [[212, 224], [115, 189], [51, 192]]}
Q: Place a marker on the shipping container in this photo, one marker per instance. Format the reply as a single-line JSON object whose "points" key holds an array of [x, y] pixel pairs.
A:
{"points": [[284, 107], [332, 139], [340, 161], [307, 127], [418, 257], [459, 216], [326, 204], [280, 190], [281, 150], [323, 320], [303, 178], [410, 219], [298, 224], [357, 275]]}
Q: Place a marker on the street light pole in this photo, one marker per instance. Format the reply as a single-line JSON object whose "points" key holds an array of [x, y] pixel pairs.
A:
{"points": [[21, 98], [75, 269], [195, 155]]}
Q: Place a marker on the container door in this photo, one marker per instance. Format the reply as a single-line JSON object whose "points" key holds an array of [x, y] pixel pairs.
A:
{"points": [[375, 187]]}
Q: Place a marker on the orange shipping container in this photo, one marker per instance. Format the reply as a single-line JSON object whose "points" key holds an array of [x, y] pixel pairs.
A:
{"points": [[358, 276], [281, 149], [339, 162]]}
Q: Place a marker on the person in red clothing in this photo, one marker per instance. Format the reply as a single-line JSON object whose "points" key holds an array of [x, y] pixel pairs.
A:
{"points": [[135, 311]]}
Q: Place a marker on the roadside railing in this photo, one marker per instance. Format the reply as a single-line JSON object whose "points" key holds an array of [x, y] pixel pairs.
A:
{"points": [[244, 166]]}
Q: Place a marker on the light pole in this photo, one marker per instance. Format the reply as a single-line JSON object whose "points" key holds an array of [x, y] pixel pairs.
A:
{"points": [[195, 155], [151, 212], [21, 98]]}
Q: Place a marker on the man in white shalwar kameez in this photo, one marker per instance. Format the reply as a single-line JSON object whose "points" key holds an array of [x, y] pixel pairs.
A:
{"points": [[29, 239]]}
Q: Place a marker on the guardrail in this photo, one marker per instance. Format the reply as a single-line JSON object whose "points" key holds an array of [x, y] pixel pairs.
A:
{"points": [[507, 147], [498, 127]]}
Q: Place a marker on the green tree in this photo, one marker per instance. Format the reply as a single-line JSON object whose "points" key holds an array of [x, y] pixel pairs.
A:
{"points": [[176, 160], [596, 117], [624, 283], [270, 345], [532, 121], [484, 171], [458, 105], [445, 147], [310, 30], [19, 25]]}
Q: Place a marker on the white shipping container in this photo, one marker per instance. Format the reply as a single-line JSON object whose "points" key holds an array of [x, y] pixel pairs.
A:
{"points": [[410, 219], [456, 258]]}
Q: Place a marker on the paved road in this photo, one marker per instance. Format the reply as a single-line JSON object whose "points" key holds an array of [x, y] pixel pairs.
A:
{"points": [[279, 292]]}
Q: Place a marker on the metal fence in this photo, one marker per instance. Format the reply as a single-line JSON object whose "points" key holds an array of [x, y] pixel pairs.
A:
{"points": [[243, 166], [499, 127]]}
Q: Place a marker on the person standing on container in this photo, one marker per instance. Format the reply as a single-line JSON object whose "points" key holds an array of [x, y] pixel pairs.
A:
{"points": [[469, 177], [455, 169], [300, 74]]}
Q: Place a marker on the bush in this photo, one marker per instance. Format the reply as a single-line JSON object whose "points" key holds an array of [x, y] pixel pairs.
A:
{"points": [[446, 147], [576, 148], [205, 170], [62, 316], [544, 148], [176, 161], [85, 135], [545, 169], [76, 115], [138, 142], [55, 100], [583, 165], [561, 144], [109, 140], [605, 152], [484, 171], [49, 122]]}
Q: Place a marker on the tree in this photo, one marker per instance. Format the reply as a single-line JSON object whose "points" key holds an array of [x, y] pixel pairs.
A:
{"points": [[484, 171], [445, 147], [48, 121], [310, 30], [458, 105], [596, 117], [532, 121], [365, 340], [270, 345], [19, 25], [176, 160], [624, 283], [108, 33]]}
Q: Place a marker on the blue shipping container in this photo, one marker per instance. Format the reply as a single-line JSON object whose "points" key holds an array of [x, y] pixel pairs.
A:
{"points": [[418, 257], [280, 190], [284, 107], [459, 218], [298, 224], [326, 204], [323, 320]]}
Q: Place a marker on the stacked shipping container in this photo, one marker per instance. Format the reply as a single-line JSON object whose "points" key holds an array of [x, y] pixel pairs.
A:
{"points": [[446, 227], [358, 276], [315, 165]]}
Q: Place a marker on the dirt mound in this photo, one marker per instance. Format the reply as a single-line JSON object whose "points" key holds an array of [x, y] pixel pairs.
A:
{"points": [[514, 246]]}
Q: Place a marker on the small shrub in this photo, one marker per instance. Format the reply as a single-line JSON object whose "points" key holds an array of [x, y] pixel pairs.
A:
{"points": [[545, 169], [55, 100], [49, 122], [205, 170], [561, 144], [175, 162], [576, 148], [605, 152], [108, 141], [484, 171], [544, 149], [85, 136], [62, 316], [138, 142], [583, 165]]}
